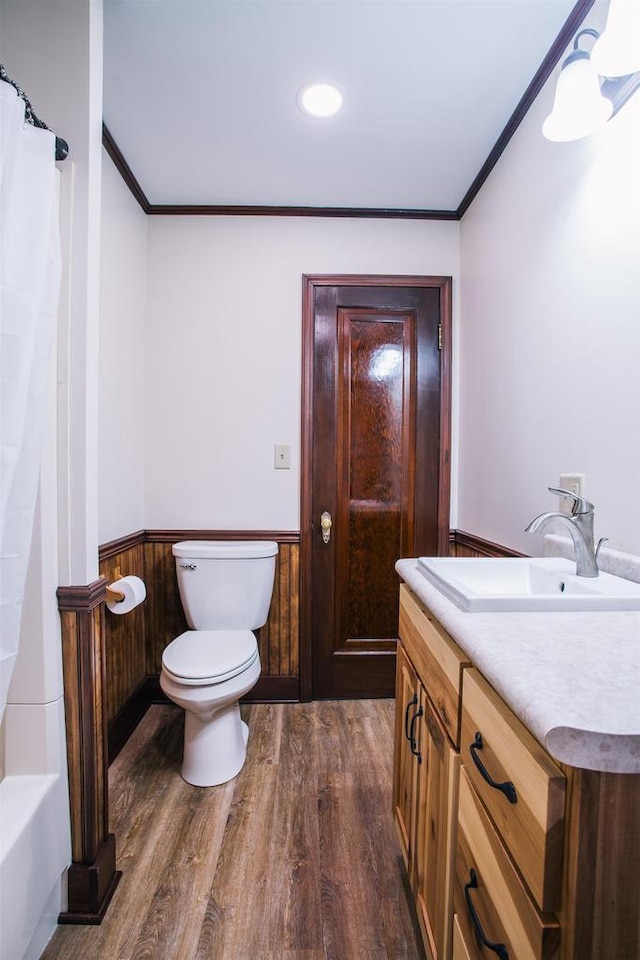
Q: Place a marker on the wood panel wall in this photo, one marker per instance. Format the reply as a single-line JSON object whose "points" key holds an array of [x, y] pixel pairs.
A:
{"points": [[463, 544], [125, 635], [134, 642], [111, 665], [165, 619], [278, 640]]}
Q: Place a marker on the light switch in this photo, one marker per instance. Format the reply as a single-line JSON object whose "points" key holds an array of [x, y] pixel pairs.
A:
{"points": [[282, 456]]}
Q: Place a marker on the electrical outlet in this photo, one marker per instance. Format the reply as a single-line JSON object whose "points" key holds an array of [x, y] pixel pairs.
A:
{"points": [[282, 456], [574, 483]]}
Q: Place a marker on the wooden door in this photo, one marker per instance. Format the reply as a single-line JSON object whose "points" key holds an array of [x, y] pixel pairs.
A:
{"points": [[375, 460]]}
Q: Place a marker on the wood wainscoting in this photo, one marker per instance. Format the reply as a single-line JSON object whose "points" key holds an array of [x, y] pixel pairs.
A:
{"points": [[126, 696], [463, 544], [111, 670], [134, 643]]}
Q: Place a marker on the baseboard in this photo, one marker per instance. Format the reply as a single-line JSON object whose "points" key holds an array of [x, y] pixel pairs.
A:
{"points": [[128, 717], [274, 690], [266, 690], [90, 886]]}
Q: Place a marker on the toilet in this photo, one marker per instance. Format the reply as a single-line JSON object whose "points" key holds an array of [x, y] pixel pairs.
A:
{"points": [[225, 589]]}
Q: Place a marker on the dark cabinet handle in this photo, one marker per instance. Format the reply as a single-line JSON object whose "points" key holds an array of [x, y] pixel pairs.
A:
{"points": [[498, 948], [507, 787], [412, 738], [411, 703]]}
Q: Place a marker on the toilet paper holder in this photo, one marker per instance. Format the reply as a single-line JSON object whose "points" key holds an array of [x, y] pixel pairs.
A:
{"points": [[115, 596], [124, 593]]}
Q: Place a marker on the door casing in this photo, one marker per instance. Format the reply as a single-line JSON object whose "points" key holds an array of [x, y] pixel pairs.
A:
{"points": [[310, 282]]}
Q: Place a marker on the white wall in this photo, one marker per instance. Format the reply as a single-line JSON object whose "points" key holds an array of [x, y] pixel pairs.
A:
{"points": [[223, 375], [550, 332], [122, 359], [53, 49]]}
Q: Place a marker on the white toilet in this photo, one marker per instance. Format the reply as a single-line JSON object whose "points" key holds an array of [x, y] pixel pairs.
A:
{"points": [[225, 588]]}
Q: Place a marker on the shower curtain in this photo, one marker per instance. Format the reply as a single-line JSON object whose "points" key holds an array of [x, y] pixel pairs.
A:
{"points": [[29, 289]]}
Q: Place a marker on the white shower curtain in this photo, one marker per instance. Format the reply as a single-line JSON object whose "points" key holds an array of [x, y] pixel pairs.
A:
{"points": [[29, 289]]}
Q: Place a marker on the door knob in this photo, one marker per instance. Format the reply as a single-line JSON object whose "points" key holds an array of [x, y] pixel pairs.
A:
{"points": [[325, 524]]}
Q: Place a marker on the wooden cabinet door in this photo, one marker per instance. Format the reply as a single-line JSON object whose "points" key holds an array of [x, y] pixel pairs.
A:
{"points": [[405, 779], [437, 658], [438, 772], [460, 949]]}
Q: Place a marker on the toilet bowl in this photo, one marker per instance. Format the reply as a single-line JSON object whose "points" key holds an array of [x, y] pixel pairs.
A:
{"points": [[225, 588]]}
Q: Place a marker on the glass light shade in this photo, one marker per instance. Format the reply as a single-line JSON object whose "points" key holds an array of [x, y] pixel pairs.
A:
{"points": [[320, 99], [617, 52], [579, 107]]}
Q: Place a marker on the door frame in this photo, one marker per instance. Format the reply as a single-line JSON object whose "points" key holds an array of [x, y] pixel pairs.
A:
{"points": [[309, 284]]}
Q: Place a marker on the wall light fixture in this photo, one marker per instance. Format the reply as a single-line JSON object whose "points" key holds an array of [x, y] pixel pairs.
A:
{"points": [[593, 87], [617, 52]]}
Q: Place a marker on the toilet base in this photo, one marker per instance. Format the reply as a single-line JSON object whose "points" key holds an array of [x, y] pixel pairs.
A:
{"points": [[214, 752]]}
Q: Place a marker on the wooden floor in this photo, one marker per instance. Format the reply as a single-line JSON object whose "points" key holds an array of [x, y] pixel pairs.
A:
{"points": [[295, 859]]}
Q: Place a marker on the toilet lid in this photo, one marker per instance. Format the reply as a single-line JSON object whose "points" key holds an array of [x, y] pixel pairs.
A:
{"points": [[201, 656]]}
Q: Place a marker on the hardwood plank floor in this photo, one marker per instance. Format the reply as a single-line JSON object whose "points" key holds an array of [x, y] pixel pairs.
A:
{"points": [[295, 859]]}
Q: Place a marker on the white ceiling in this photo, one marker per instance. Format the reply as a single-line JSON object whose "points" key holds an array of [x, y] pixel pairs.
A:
{"points": [[200, 96]]}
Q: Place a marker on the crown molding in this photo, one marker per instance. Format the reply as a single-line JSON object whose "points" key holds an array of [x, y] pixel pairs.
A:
{"points": [[124, 169], [569, 28], [543, 73]]}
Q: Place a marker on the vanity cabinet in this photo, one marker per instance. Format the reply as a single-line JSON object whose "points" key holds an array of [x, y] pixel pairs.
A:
{"points": [[426, 768], [510, 833], [509, 853]]}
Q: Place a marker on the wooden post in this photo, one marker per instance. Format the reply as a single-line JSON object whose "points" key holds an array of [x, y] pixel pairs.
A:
{"points": [[92, 876]]}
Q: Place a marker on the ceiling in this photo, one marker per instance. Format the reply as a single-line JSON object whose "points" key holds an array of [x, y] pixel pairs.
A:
{"points": [[200, 96]]}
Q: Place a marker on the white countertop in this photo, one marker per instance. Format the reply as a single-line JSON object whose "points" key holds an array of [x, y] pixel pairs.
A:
{"points": [[572, 678]]}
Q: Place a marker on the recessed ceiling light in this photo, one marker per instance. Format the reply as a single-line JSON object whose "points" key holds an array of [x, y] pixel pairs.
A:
{"points": [[319, 99]]}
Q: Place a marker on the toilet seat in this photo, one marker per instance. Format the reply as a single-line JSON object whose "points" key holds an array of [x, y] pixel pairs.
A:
{"points": [[203, 657]]}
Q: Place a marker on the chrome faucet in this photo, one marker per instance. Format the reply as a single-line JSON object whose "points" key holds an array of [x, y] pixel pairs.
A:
{"points": [[580, 525]]}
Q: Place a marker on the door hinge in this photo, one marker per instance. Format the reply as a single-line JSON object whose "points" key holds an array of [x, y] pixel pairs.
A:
{"points": [[439, 336]]}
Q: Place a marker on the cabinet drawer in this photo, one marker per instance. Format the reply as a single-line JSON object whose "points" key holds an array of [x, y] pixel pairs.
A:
{"points": [[526, 800], [437, 659], [487, 885]]}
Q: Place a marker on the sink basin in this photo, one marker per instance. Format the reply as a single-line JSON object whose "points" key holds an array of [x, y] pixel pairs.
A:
{"points": [[550, 583]]}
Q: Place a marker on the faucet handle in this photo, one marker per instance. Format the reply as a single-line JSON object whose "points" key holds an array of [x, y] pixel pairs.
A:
{"points": [[579, 505]]}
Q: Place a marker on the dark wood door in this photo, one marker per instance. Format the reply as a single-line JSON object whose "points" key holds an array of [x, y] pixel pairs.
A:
{"points": [[373, 464]]}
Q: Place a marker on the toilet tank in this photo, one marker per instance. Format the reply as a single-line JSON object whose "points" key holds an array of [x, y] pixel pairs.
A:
{"points": [[225, 584]]}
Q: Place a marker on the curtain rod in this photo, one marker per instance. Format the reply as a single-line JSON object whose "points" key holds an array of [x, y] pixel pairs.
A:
{"points": [[62, 147]]}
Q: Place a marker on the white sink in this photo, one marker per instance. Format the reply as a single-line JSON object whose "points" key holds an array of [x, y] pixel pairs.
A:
{"points": [[487, 584]]}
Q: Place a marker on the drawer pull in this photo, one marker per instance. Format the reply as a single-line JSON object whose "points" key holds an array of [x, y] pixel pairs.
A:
{"points": [[507, 787], [498, 948], [412, 738], [411, 703]]}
